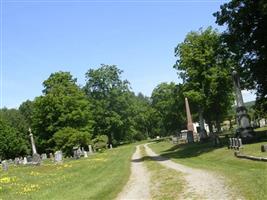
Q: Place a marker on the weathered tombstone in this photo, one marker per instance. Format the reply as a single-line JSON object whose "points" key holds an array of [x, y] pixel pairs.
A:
{"points": [[4, 165], [82, 151], [58, 157], [244, 130], [16, 161], [264, 148], [79, 152], [36, 159], [75, 153], [174, 140], [90, 149], [51, 156], [110, 146], [25, 161], [29, 159], [10, 161], [85, 154], [230, 143], [44, 156]]}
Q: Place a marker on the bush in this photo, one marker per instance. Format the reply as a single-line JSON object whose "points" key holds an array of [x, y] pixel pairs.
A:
{"points": [[66, 138], [100, 142]]}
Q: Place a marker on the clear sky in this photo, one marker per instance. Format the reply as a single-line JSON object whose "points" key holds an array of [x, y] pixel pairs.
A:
{"points": [[41, 37]]}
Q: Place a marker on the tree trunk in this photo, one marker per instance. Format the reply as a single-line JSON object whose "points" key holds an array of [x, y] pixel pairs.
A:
{"points": [[201, 124]]}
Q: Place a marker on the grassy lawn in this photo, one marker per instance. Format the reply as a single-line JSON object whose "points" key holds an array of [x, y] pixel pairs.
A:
{"points": [[100, 176], [261, 129], [166, 183], [247, 177]]}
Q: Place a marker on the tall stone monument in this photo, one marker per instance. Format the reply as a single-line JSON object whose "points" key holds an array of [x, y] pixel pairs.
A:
{"points": [[190, 126], [244, 130], [36, 159]]}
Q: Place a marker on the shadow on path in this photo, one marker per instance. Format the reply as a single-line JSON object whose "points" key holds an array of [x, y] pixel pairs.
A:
{"points": [[150, 158]]}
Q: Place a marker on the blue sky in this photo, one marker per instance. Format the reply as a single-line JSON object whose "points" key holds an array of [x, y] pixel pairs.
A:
{"points": [[42, 37]]}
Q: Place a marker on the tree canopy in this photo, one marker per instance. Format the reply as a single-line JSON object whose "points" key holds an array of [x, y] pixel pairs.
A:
{"points": [[246, 39]]}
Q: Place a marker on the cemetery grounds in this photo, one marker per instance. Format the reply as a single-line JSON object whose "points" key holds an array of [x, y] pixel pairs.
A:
{"points": [[104, 175]]}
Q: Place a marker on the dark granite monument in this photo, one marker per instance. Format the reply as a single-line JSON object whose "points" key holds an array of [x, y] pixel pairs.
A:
{"points": [[244, 131]]}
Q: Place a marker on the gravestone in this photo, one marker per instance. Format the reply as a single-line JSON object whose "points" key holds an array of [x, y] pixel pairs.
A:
{"points": [[264, 148], [44, 156], [5, 165], [85, 154], [244, 130], [90, 149], [29, 159], [230, 143], [36, 159], [79, 152], [110, 146], [76, 155], [25, 161], [82, 151], [17, 161], [51, 156], [58, 157]]}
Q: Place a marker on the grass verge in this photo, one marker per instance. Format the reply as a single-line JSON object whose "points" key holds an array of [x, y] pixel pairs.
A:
{"points": [[249, 177], [166, 183], [100, 176]]}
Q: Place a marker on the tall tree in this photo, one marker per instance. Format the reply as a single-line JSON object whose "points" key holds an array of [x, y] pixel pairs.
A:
{"points": [[115, 106], [168, 102], [205, 69], [63, 104], [246, 38]]}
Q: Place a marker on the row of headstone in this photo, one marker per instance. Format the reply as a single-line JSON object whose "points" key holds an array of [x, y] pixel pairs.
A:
{"points": [[79, 152], [235, 143]]}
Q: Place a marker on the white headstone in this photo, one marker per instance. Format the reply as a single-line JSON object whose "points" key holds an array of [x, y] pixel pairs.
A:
{"points": [[58, 156], [85, 154], [110, 146], [5, 165], [25, 161], [90, 149]]}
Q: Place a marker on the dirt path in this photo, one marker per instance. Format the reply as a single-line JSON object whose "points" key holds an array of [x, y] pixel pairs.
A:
{"points": [[137, 187], [200, 183]]}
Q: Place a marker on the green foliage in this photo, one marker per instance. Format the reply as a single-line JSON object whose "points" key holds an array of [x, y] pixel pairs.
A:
{"points": [[204, 66], [63, 104], [67, 138], [246, 39], [26, 109], [115, 107], [11, 144], [100, 142], [168, 104]]}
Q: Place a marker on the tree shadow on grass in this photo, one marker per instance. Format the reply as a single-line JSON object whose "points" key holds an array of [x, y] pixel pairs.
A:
{"points": [[188, 150]]}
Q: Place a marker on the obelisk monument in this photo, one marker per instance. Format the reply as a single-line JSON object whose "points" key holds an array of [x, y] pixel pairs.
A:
{"points": [[244, 128], [36, 159], [190, 126]]}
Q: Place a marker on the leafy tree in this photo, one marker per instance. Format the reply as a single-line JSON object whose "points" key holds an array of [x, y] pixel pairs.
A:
{"points": [[63, 104], [111, 99], [26, 109], [205, 69], [246, 39], [67, 138], [11, 145], [168, 102]]}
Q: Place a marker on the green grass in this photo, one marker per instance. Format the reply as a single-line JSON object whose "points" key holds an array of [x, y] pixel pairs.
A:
{"points": [[100, 176], [245, 176], [166, 183], [261, 129]]}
